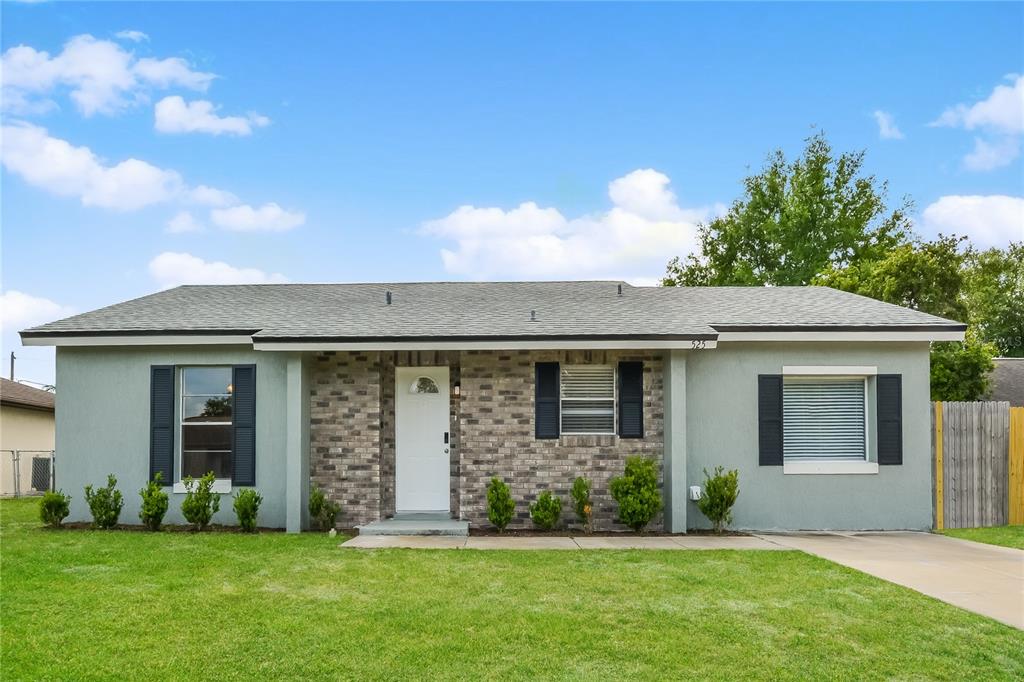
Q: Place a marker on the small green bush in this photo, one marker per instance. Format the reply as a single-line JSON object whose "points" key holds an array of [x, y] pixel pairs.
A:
{"points": [[720, 493], [322, 512], [546, 511], [154, 503], [105, 503], [247, 506], [54, 507], [500, 505], [200, 503], [582, 504], [636, 492]]}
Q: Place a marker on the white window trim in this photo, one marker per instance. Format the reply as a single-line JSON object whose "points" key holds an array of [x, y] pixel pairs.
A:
{"points": [[615, 404], [834, 466], [220, 485], [830, 370]]}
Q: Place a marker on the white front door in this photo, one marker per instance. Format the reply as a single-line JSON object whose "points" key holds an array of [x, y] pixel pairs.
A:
{"points": [[421, 439]]}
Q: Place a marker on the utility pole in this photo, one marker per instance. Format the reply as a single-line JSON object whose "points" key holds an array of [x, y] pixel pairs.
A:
{"points": [[12, 365]]}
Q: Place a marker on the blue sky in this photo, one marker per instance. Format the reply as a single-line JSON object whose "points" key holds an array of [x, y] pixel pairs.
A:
{"points": [[343, 142]]}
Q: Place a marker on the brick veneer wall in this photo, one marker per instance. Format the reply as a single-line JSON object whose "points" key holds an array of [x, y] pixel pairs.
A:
{"points": [[497, 435], [352, 432]]}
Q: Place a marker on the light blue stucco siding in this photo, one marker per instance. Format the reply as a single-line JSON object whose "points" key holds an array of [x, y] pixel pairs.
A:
{"points": [[103, 417], [722, 427]]}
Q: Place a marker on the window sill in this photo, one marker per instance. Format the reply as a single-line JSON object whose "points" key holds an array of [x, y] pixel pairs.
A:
{"points": [[830, 467], [221, 485]]}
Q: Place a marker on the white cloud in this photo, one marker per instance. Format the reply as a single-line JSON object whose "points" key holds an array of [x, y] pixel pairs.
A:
{"points": [[65, 170], [1001, 112], [267, 218], [133, 36], [999, 117], [988, 155], [887, 128], [211, 196], [170, 269], [993, 220], [101, 76], [175, 115], [633, 240], [58, 167], [19, 310], [183, 221]]}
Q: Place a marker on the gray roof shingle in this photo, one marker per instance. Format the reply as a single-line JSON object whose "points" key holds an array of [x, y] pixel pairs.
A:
{"points": [[483, 310]]}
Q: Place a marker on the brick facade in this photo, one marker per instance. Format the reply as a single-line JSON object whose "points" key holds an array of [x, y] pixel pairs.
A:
{"points": [[352, 434]]}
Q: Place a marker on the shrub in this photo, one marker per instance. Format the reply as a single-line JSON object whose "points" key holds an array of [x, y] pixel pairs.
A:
{"points": [[247, 505], [105, 503], [200, 503], [546, 511], [582, 504], [500, 505], [154, 503], [720, 493], [54, 507], [321, 510], [636, 492]]}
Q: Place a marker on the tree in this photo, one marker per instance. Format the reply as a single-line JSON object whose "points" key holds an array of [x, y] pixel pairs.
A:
{"points": [[994, 292], [925, 276], [794, 221], [960, 371]]}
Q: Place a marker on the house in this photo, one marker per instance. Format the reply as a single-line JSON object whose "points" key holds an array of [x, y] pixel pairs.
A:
{"points": [[26, 434], [410, 397], [1007, 381]]}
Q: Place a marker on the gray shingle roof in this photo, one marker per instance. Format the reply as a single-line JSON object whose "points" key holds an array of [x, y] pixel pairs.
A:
{"points": [[1008, 381], [485, 310]]}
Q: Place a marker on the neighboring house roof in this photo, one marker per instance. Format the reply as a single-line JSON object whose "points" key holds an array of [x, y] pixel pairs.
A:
{"points": [[1008, 381], [20, 395], [487, 310]]}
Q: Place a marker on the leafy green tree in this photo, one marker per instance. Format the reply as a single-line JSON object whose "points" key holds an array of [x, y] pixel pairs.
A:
{"points": [[925, 276], [794, 221], [960, 371], [994, 291]]}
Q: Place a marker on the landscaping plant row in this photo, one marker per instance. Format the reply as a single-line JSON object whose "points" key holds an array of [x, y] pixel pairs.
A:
{"points": [[636, 493]]}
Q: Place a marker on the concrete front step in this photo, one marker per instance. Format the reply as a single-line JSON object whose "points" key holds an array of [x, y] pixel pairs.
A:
{"points": [[417, 524]]}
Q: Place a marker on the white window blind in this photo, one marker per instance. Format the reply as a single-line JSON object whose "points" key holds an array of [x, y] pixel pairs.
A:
{"points": [[588, 399], [823, 418]]}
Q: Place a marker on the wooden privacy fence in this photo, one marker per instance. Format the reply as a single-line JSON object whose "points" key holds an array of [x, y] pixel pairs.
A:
{"points": [[978, 453]]}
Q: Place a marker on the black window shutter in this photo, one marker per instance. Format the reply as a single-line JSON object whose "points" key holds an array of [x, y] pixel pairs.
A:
{"points": [[243, 410], [631, 400], [161, 422], [769, 419], [889, 405], [546, 410]]}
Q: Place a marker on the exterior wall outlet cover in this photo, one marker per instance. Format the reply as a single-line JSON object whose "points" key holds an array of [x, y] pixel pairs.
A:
{"points": [[695, 492]]}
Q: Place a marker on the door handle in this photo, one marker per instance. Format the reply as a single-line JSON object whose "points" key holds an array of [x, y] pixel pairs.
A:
{"points": [[446, 439]]}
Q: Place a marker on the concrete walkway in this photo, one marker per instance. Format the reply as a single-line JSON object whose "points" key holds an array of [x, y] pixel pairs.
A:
{"points": [[986, 579], [559, 542]]}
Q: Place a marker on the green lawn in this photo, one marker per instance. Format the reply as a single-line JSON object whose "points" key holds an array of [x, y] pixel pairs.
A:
{"points": [[94, 604], [1007, 536]]}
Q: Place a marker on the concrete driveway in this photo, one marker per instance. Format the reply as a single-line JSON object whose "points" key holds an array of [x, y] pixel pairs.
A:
{"points": [[982, 578]]}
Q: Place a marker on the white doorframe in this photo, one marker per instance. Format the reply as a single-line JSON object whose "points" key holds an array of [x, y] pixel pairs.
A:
{"points": [[422, 439]]}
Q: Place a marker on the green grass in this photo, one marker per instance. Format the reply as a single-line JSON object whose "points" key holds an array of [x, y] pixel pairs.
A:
{"points": [[132, 605], [1007, 536]]}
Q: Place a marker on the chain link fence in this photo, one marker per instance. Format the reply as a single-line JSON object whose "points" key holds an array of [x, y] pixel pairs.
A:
{"points": [[26, 472]]}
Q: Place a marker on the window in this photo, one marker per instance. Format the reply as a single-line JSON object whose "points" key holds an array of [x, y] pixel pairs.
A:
{"points": [[588, 399], [824, 419], [206, 421], [423, 385]]}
